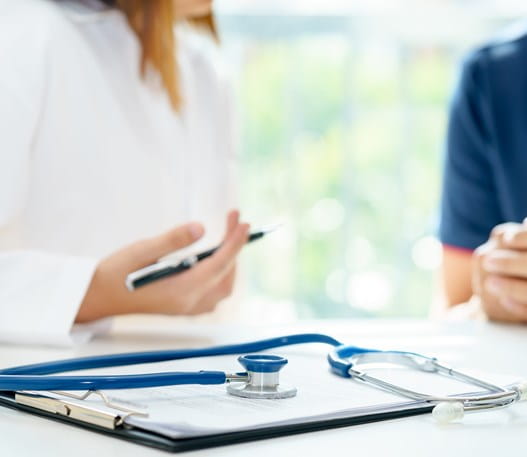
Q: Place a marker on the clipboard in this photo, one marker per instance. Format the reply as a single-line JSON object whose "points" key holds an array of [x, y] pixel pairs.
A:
{"points": [[113, 424]]}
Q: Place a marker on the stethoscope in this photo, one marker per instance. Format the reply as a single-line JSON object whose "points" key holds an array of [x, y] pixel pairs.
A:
{"points": [[261, 376]]}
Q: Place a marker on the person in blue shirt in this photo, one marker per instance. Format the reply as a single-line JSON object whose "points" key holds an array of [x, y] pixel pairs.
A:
{"points": [[484, 200]]}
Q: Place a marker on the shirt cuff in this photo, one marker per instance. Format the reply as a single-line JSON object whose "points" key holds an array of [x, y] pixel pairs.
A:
{"points": [[459, 249], [82, 333], [41, 296]]}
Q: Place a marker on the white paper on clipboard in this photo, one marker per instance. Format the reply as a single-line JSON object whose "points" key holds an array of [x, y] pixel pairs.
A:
{"points": [[190, 411]]}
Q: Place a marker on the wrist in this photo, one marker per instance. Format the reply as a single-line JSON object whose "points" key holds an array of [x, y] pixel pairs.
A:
{"points": [[91, 307]]}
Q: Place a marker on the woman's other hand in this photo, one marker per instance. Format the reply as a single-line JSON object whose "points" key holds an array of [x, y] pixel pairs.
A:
{"points": [[195, 291], [500, 273]]}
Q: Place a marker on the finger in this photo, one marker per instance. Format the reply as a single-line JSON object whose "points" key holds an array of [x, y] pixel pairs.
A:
{"points": [[151, 249], [506, 262], [233, 219], [516, 238], [507, 288], [500, 229], [215, 267], [519, 310], [497, 310], [484, 249], [195, 283], [498, 232], [511, 235]]}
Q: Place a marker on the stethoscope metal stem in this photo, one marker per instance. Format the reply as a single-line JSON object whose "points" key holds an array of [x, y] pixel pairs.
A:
{"points": [[237, 377]]}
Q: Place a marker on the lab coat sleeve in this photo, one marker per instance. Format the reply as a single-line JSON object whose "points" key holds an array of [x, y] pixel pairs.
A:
{"points": [[40, 292]]}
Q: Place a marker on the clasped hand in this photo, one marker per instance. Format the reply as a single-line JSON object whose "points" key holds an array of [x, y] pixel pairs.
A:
{"points": [[500, 273]]}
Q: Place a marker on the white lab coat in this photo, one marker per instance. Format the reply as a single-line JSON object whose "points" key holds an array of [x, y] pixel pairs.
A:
{"points": [[92, 157]]}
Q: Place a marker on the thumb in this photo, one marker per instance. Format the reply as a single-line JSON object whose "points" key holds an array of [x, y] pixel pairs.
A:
{"points": [[154, 248]]}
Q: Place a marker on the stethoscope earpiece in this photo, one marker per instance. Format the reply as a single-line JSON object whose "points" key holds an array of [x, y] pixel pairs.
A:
{"points": [[263, 381], [448, 411]]}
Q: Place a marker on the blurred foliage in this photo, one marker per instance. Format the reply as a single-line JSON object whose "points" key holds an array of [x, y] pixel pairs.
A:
{"points": [[343, 144]]}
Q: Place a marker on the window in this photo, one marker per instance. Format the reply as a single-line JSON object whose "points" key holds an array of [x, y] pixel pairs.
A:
{"points": [[343, 108]]}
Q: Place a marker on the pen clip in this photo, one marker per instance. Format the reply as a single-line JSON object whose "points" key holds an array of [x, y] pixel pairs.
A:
{"points": [[148, 270]]}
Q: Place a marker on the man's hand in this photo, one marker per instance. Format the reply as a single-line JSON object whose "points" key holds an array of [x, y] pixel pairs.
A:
{"points": [[195, 291], [500, 273]]}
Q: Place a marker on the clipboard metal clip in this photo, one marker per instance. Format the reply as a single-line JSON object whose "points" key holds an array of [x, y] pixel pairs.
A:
{"points": [[85, 413]]}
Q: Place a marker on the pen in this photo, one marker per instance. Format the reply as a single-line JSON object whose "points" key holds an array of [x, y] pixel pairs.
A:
{"points": [[165, 268]]}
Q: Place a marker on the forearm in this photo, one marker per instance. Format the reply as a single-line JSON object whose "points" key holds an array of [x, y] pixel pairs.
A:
{"points": [[456, 275]]}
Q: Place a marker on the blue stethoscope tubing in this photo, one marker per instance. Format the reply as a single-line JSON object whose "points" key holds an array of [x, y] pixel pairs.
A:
{"points": [[344, 360], [36, 376]]}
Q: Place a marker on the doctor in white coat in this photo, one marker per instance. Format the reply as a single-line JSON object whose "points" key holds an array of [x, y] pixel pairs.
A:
{"points": [[114, 131]]}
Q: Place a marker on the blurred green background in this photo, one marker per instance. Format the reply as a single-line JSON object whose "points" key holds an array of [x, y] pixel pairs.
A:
{"points": [[343, 115]]}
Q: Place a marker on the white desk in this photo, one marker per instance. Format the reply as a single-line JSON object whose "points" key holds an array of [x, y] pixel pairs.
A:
{"points": [[471, 345]]}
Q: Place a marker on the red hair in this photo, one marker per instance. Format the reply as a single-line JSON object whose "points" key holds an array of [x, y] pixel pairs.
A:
{"points": [[153, 22]]}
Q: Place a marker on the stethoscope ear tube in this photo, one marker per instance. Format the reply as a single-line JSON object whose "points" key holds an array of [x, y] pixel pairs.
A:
{"points": [[346, 361], [339, 362], [339, 367]]}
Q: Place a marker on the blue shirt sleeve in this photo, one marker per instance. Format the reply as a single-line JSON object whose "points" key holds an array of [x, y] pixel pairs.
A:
{"points": [[469, 205]]}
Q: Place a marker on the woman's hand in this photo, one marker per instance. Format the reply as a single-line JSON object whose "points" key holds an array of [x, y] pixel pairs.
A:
{"points": [[195, 291], [500, 273]]}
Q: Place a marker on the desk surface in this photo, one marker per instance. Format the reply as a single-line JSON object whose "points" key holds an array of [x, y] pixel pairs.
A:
{"points": [[470, 345]]}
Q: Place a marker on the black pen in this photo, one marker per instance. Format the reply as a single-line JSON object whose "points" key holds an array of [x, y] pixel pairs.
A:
{"points": [[165, 268]]}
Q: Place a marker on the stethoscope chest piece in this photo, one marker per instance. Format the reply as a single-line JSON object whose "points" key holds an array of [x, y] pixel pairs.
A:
{"points": [[263, 382]]}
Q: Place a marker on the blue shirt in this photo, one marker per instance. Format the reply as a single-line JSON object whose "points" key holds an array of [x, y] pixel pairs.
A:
{"points": [[485, 176]]}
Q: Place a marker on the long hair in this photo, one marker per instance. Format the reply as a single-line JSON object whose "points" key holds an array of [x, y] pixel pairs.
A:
{"points": [[153, 22]]}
